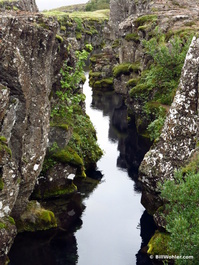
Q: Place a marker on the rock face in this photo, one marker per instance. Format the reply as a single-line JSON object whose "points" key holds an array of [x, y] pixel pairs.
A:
{"points": [[25, 5], [28, 5], [122, 9], [27, 53], [179, 135]]}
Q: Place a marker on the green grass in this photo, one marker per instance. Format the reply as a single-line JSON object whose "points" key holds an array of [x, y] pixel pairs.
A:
{"points": [[95, 15]]}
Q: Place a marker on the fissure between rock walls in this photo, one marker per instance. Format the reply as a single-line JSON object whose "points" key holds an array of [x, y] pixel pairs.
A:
{"points": [[33, 48]]}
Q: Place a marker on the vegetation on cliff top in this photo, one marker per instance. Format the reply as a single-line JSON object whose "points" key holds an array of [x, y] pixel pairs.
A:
{"points": [[95, 15], [97, 5]]}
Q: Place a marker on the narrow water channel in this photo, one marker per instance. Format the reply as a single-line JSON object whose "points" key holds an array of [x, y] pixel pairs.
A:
{"points": [[110, 233], [113, 220]]}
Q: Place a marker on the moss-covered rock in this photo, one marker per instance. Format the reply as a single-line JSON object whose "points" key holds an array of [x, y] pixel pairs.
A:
{"points": [[36, 218], [132, 37], [105, 84], [158, 244], [125, 69]]}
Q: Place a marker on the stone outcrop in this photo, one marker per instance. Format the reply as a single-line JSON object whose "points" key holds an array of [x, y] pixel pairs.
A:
{"points": [[27, 68], [179, 134], [25, 5]]}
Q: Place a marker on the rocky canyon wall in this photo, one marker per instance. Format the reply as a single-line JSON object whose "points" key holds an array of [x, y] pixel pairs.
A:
{"points": [[27, 66]]}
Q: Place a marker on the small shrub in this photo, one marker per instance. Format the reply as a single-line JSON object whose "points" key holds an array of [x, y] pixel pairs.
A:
{"points": [[181, 213]]}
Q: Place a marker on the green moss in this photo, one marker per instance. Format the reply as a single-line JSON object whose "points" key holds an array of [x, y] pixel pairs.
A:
{"points": [[132, 37], [63, 126], [59, 38], [11, 220], [68, 156], [57, 192], [140, 21], [63, 28], [1, 184], [158, 244], [95, 74], [106, 83], [3, 139], [36, 218], [126, 69], [132, 82], [3, 146], [192, 166], [116, 43], [140, 90], [78, 35], [2, 225]]}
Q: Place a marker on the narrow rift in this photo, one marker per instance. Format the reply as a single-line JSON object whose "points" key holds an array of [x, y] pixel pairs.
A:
{"points": [[110, 232]]}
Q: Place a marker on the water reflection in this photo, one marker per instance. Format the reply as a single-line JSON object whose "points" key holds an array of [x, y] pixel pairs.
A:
{"points": [[42, 248], [147, 229], [122, 130]]}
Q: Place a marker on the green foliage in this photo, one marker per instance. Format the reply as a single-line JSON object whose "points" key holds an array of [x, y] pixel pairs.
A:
{"points": [[59, 38], [155, 128], [78, 35], [132, 37], [1, 184], [2, 225], [35, 219], [192, 166], [84, 140], [125, 68], [140, 21], [158, 244], [79, 22], [182, 215], [104, 84], [132, 82], [158, 115], [57, 191], [116, 43], [68, 96], [4, 146], [159, 82], [82, 150], [97, 5], [68, 156]]}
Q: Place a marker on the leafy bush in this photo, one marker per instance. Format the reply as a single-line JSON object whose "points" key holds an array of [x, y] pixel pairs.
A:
{"points": [[159, 82], [97, 5], [182, 215], [68, 96]]}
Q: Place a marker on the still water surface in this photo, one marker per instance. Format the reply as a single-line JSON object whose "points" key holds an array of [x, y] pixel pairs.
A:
{"points": [[109, 233]]}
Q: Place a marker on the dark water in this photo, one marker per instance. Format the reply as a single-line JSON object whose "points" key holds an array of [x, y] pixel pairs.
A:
{"points": [[113, 220]]}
